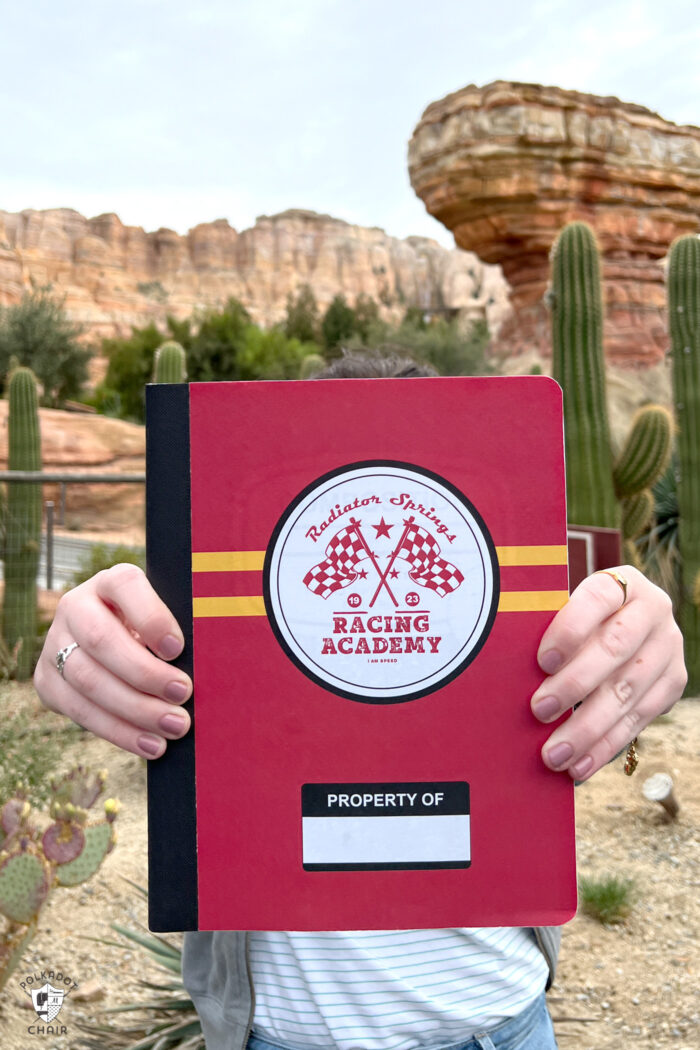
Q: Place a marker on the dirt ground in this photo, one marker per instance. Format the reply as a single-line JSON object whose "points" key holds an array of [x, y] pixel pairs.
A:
{"points": [[634, 985]]}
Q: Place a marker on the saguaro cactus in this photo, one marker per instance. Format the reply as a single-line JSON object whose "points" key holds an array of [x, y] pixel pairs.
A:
{"points": [[170, 364], [600, 491], [578, 365], [23, 522], [684, 324]]}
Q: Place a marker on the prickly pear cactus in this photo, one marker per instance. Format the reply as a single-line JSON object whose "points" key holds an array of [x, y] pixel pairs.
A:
{"points": [[37, 857]]}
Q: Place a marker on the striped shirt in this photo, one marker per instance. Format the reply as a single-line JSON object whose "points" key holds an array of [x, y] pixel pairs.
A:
{"points": [[391, 990]]}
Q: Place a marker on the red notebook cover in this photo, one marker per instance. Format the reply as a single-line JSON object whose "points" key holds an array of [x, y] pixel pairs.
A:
{"points": [[373, 564]]}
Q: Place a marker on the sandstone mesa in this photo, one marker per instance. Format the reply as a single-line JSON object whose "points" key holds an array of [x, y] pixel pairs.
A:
{"points": [[506, 166], [114, 277]]}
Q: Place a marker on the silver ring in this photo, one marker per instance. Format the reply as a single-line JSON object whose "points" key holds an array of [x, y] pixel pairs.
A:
{"points": [[62, 655]]}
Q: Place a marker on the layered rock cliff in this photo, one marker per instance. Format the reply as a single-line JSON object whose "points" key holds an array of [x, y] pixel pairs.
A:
{"points": [[115, 276], [505, 166]]}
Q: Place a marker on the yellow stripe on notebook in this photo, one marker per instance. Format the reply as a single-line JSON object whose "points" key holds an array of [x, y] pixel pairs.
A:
{"points": [[544, 555], [242, 605], [252, 561], [532, 601], [228, 561]]}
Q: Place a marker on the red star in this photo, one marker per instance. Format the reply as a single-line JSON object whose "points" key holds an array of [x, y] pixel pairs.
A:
{"points": [[382, 529], [362, 574], [394, 574]]}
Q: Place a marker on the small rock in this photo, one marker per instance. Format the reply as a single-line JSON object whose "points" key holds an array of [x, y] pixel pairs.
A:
{"points": [[89, 992]]}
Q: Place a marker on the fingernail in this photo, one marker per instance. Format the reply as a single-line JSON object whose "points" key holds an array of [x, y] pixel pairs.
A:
{"points": [[169, 647], [152, 745], [546, 708], [176, 692], [551, 661], [582, 767], [558, 755], [174, 724]]}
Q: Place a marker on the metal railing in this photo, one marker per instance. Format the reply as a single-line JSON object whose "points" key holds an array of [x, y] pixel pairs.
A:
{"points": [[63, 479]]}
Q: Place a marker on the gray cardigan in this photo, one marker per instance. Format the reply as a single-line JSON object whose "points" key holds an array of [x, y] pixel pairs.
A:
{"points": [[216, 973]]}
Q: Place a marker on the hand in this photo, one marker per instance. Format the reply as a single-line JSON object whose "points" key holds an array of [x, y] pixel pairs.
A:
{"points": [[113, 684], [623, 663]]}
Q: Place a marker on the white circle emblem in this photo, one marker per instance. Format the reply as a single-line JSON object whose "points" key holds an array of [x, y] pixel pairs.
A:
{"points": [[381, 582]]}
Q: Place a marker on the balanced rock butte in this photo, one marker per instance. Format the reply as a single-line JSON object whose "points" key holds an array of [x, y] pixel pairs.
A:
{"points": [[113, 276], [506, 166]]}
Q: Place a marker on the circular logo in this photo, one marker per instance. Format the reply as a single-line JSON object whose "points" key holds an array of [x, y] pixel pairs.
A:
{"points": [[381, 582]]}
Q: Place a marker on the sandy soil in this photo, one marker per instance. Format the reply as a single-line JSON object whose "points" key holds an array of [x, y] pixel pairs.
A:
{"points": [[634, 985]]}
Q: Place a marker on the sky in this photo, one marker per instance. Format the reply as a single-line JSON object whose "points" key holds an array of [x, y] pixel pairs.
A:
{"points": [[172, 113]]}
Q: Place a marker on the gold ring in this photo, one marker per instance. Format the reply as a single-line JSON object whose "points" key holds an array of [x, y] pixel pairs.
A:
{"points": [[618, 578], [631, 758]]}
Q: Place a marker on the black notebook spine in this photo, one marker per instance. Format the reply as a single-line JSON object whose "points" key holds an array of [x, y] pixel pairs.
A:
{"points": [[172, 808]]}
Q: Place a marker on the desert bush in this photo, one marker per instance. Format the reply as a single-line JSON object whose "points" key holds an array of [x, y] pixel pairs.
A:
{"points": [[167, 1019], [36, 331], [607, 899], [302, 320], [445, 345], [339, 323], [29, 753], [102, 556]]}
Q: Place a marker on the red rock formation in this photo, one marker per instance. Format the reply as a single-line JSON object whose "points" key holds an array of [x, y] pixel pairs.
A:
{"points": [[114, 276], [505, 166]]}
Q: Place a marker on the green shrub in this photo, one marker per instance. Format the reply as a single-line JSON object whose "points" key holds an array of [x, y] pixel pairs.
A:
{"points": [[339, 323], [302, 320], [445, 345], [165, 1020], [130, 368], [102, 556], [30, 751], [37, 332], [608, 899]]}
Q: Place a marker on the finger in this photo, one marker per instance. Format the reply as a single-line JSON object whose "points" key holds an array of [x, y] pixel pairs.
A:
{"points": [[587, 761], [622, 699], [93, 682], [62, 697], [609, 649], [126, 588], [595, 599], [102, 636]]}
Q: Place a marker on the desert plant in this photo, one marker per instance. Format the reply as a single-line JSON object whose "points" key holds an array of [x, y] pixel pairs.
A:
{"points": [[37, 856], [38, 333], [311, 365], [608, 899], [447, 346], [23, 523], [339, 323], [170, 364], [658, 543], [302, 320], [684, 325], [29, 754], [600, 490], [103, 556], [168, 1019]]}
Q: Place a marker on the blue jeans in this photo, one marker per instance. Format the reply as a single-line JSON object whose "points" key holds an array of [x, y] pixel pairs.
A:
{"points": [[530, 1030]]}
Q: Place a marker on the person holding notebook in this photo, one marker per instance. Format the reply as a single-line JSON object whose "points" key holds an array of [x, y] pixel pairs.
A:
{"points": [[613, 656]]}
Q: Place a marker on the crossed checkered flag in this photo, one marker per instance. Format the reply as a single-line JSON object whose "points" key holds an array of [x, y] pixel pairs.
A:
{"points": [[429, 570], [343, 553]]}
